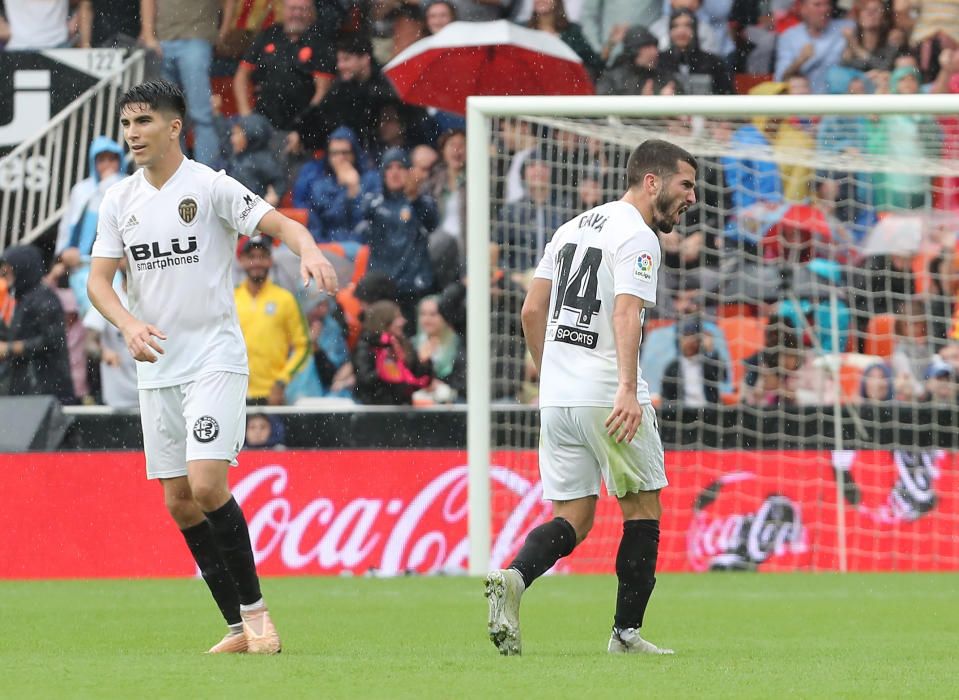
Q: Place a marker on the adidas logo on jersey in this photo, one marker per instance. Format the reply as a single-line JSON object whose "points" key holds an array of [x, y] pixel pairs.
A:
{"points": [[132, 221]]}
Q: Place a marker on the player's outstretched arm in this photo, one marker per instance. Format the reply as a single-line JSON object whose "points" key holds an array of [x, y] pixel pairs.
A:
{"points": [[627, 414], [140, 337], [535, 314], [313, 264]]}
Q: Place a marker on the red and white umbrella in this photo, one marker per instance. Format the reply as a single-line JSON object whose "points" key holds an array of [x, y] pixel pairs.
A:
{"points": [[486, 58]]}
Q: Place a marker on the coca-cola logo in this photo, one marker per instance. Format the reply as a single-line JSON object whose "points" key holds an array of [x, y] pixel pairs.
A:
{"points": [[737, 537], [912, 494], [425, 532]]}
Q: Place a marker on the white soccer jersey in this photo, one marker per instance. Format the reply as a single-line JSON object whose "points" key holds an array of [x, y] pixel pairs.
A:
{"points": [[179, 243], [603, 252]]}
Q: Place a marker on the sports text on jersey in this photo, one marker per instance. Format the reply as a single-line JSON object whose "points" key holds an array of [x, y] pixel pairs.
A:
{"points": [[159, 259], [573, 336]]}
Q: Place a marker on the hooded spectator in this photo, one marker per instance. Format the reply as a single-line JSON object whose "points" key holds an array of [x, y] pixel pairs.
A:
{"points": [[637, 70], [252, 161], [876, 383], [34, 345], [331, 188], [396, 224], [264, 432], [78, 227]]}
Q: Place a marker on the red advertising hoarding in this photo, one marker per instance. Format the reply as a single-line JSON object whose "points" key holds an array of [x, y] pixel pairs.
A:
{"points": [[327, 512]]}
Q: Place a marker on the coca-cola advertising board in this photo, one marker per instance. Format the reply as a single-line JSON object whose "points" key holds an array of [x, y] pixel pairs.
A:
{"points": [[65, 515]]}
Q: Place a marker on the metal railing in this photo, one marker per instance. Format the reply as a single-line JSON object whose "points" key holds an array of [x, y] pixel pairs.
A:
{"points": [[40, 172]]}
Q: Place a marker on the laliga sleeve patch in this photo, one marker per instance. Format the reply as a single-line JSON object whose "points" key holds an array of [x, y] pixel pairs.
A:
{"points": [[644, 267]]}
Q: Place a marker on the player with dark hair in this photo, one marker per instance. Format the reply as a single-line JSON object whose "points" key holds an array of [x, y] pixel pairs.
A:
{"points": [[583, 319], [175, 221]]}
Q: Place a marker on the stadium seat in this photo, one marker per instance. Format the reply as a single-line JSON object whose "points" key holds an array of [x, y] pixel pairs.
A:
{"points": [[744, 336], [744, 82], [850, 379], [301, 216], [880, 336]]}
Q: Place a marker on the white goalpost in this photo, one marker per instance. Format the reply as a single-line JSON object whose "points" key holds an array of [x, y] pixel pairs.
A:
{"points": [[771, 473]]}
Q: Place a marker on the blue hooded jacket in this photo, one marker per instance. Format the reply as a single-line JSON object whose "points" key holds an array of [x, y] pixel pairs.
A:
{"points": [[334, 215], [397, 231], [78, 228]]}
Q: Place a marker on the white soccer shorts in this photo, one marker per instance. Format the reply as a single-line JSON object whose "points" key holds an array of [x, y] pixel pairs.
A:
{"points": [[202, 419], [574, 451]]}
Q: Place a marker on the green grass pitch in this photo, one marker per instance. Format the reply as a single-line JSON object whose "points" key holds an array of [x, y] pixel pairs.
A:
{"points": [[735, 635]]}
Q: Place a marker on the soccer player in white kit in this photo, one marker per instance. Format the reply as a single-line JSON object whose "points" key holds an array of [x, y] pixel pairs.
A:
{"points": [[176, 223], [583, 319]]}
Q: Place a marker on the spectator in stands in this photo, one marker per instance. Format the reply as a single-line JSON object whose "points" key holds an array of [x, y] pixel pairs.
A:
{"points": [[606, 23], [690, 248], [940, 385], [937, 28], [33, 26], [388, 370], [903, 138], [881, 284], [697, 71], [272, 325], [637, 70], [408, 25], [438, 14], [252, 161], [910, 355], [780, 345], [589, 190], [118, 369], [703, 35], [78, 227], [396, 224], [795, 140], [812, 47], [331, 356], [290, 64], [943, 284], [867, 43], [750, 179], [524, 228], [694, 377], [481, 10], [33, 345], [949, 355], [182, 33], [331, 188], [76, 337], [423, 160], [114, 24], [445, 349], [550, 16], [355, 99], [847, 135], [264, 432], [447, 185], [876, 383]]}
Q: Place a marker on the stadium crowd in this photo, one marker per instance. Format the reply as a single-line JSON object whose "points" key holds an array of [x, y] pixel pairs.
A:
{"points": [[289, 97]]}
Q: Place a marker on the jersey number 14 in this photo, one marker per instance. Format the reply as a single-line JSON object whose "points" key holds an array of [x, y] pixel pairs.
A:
{"points": [[578, 293]]}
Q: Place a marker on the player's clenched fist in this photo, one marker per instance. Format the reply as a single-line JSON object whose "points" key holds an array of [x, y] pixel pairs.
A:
{"points": [[141, 340], [314, 265]]}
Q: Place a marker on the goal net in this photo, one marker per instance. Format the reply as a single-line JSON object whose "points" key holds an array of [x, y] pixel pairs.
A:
{"points": [[803, 354]]}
